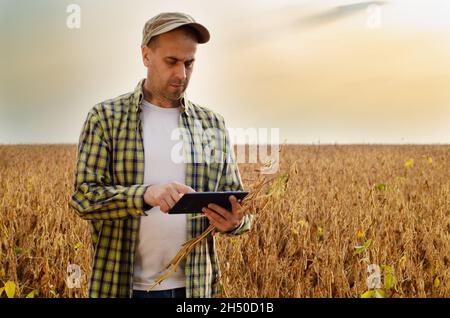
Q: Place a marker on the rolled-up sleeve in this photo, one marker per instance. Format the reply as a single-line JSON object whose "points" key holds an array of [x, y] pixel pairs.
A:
{"points": [[94, 196]]}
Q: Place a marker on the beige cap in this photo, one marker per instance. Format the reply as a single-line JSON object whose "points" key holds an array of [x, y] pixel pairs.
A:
{"points": [[168, 21]]}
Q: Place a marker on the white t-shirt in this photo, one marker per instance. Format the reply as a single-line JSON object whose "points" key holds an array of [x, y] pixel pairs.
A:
{"points": [[161, 235]]}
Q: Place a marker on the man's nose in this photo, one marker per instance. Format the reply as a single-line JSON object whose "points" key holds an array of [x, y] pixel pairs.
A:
{"points": [[180, 72]]}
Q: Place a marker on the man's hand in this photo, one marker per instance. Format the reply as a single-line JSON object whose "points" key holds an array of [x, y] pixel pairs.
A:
{"points": [[165, 195], [223, 219]]}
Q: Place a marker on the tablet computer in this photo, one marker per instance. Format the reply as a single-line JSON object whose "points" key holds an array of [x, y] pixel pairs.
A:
{"points": [[193, 202]]}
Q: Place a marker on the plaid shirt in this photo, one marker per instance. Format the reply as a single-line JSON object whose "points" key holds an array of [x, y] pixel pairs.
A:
{"points": [[109, 189]]}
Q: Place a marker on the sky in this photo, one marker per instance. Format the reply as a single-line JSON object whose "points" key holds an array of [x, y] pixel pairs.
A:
{"points": [[319, 71]]}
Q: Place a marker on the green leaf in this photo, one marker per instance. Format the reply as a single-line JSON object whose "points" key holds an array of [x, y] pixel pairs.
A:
{"points": [[77, 246], [388, 281], [17, 250], [436, 283], [360, 249], [367, 243], [379, 293], [389, 278], [368, 294], [319, 232], [54, 294], [32, 294], [381, 186], [409, 163], [10, 289]]}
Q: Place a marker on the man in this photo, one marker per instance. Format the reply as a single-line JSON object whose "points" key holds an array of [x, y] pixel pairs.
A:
{"points": [[129, 175]]}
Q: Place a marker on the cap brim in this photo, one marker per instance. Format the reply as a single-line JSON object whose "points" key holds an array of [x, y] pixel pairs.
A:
{"points": [[203, 33]]}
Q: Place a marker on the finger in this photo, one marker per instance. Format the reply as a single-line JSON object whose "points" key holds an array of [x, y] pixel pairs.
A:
{"points": [[174, 194], [223, 213], [214, 216], [221, 225], [235, 206], [182, 188], [163, 206], [170, 202], [212, 221]]}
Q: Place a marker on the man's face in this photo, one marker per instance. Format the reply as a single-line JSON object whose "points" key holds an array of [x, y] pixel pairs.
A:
{"points": [[170, 64]]}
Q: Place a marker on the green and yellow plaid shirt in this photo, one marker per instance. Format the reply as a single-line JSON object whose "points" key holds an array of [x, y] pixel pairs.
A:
{"points": [[109, 189]]}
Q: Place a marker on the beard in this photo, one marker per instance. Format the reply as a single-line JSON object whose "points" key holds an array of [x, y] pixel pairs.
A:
{"points": [[174, 91]]}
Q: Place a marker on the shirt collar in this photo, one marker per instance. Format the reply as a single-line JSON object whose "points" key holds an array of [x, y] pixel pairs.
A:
{"points": [[139, 96]]}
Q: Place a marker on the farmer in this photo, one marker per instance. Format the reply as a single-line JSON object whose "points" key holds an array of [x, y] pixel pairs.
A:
{"points": [[131, 170]]}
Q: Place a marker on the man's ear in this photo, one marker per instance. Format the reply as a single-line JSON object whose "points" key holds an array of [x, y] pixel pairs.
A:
{"points": [[145, 55]]}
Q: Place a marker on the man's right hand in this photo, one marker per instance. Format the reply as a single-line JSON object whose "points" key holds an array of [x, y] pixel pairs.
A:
{"points": [[165, 195]]}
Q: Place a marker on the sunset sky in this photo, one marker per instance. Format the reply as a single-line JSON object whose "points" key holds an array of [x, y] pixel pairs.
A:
{"points": [[320, 71]]}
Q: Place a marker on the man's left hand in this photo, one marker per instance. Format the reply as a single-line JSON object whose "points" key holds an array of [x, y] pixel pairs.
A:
{"points": [[222, 219]]}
